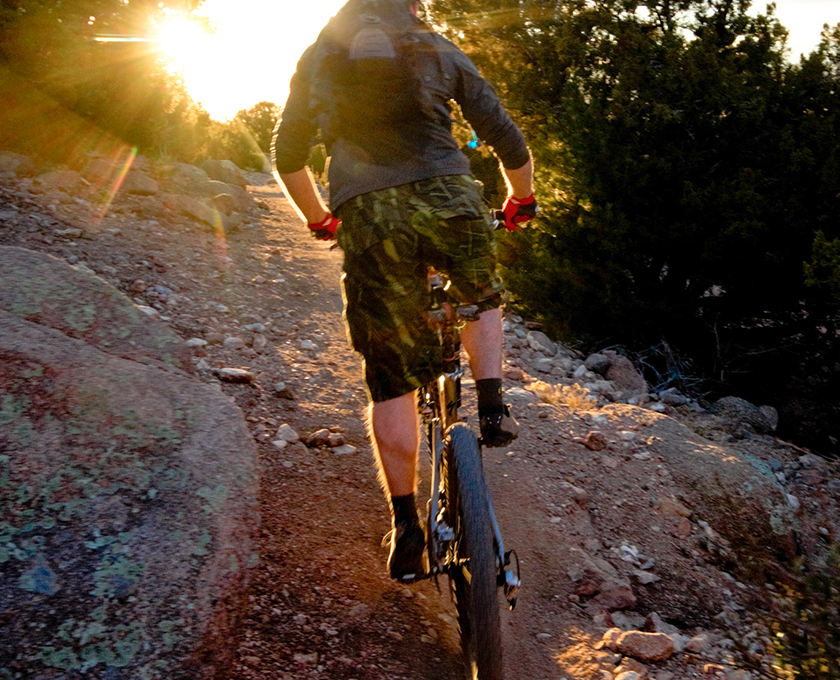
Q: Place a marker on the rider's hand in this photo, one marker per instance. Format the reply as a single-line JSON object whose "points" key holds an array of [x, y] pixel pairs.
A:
{"points": [[519, 210], [325, 229]]}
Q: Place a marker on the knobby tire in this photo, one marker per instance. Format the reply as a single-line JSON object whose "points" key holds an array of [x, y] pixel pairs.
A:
{"points": [[473, 571]]}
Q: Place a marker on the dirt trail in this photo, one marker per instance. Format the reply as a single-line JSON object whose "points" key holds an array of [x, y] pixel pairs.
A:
{"points": [[321, 605], [321, 588]]}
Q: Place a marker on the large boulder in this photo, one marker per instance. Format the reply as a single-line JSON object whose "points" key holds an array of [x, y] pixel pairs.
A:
{"points": [[623, 373], [139, 184], [224, 171], [737, 412], [183, 175], [193, 208], [128, 509], [15, 164], [46, 290], [242, 199], [737, 495]]}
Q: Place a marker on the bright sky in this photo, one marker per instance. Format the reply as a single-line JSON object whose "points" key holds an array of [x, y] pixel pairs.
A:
{"points": [[257, 43]]}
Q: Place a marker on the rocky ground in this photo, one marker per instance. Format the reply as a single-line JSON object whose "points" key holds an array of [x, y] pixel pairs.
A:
{"points": [[608, 540]]}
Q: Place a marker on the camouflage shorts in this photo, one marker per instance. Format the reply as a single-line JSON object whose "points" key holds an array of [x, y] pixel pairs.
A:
{"points": [[390, 238]]}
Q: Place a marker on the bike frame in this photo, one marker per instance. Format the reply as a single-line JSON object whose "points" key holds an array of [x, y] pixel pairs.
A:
{"points": [[438, 405]]}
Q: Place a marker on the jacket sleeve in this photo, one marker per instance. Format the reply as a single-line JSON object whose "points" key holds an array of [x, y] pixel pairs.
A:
{"points": [[484, 112], [295, 132]]}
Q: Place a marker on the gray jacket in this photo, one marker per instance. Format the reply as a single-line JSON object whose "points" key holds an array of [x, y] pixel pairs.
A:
{"points": [[427, 149]]}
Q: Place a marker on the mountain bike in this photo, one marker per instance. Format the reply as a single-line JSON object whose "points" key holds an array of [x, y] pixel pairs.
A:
{"points": [[463, 538]]}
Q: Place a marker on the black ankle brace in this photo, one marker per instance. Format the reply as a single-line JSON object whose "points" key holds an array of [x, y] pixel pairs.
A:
{"points": [[404, 509], [489, 396]]}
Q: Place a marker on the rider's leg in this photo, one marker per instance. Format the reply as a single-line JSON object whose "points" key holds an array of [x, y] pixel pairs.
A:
{"points": [[483, 341], [396, 437]]}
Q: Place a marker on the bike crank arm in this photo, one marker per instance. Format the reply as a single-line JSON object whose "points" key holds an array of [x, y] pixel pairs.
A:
{"points": [[506, 578]]}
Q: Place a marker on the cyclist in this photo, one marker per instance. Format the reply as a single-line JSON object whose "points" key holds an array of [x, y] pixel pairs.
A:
{"points": [[403, 198]]}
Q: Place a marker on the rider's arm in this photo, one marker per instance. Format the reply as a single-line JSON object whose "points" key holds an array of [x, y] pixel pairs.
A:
{"points": [[290, 150], [520, 182], [484, 112], [301, 191], [291, 142]]}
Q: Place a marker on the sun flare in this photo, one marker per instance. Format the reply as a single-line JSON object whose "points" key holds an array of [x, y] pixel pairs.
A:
{"points": [[183, 40], [232, 55]]}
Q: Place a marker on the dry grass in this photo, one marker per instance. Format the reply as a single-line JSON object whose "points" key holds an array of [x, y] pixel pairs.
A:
{"points": [[574, 396]]}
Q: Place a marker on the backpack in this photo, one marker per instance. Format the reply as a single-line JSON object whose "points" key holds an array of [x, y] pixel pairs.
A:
{"points": [[366, 80]]}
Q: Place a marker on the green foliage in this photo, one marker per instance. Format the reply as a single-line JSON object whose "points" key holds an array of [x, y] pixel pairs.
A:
{"points": [[259, 121], [684, 169], [807, 624], [824, 269]]}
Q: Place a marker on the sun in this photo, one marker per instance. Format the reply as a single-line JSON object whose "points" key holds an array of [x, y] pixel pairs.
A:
{"points": [[184, 41], [233, 54]]}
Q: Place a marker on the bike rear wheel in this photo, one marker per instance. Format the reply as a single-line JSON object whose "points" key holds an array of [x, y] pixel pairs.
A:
{"points": [[472, 571]]}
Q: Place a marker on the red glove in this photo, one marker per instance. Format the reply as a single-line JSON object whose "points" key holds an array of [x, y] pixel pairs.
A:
{"points": [[518, 211], [326, 228]]}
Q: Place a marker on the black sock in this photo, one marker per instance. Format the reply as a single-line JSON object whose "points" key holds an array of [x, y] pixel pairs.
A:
{"points": [[489, 396], [404, 509]]}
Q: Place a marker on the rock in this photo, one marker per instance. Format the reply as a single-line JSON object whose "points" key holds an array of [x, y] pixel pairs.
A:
{"points": [[646, 647], [70, 232], [224, 171], [286, 433], [595, 576], [595, 441], [580, 495], [336, 439], [627, 620], [47, 291], [624, 375], [737, 412], [540, 342], [610, 639], [344, 450], [193, 208], [616, 595], [645, 578], [739, 497], [210, 189], [673, 397], [139, 184], [57, 180], [678, 526], [631, 665], [183, 175], [671, 507], [234, 375], [233, 343], [259, 342], [134, 492], [281, 391], [318, 438], [16, 164], [699, 643], [597, 363], [224, 203], [771, 415], [628, 675]]}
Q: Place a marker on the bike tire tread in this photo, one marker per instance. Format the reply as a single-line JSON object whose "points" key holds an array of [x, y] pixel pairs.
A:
{"points": [[476, 598]]}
